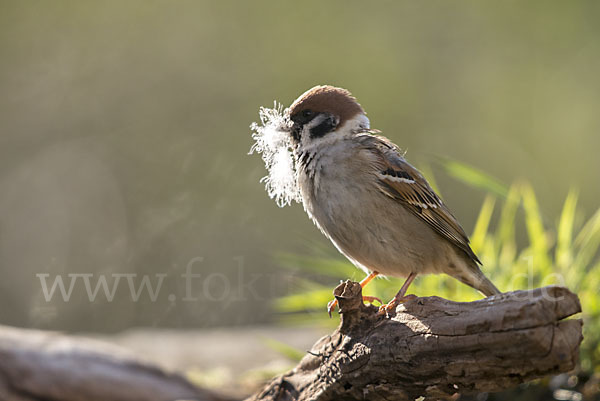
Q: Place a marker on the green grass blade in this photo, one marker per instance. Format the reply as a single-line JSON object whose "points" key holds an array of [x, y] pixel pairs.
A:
{"points": [[505, 232], [307, 300], [284, 349], [535, 230], [474, 177], [327, 266], [430, 177], [506, 224], [564, 242], [482, 224], [588, 242]]}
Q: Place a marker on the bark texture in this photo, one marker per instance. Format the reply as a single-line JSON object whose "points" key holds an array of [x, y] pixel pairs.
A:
{"points": [[435, 348], [46, 366]]}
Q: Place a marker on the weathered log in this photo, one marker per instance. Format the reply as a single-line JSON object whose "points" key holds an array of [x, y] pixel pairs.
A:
{"points": [[47, 366], [434, 348]]}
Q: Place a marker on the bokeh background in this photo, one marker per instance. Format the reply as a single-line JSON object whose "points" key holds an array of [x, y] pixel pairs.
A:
{"points": [[124, 133]]}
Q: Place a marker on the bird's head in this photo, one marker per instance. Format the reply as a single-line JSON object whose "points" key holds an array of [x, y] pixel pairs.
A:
{"points": [[324, 111]]}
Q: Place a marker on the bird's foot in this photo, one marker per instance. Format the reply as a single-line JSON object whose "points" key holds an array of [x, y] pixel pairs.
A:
{"points": [[370, 299], [333, 303], [331, 306], [386, 309]]}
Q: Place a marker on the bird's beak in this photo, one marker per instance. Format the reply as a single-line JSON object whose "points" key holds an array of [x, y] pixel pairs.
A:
{"points": [[288, 124]]}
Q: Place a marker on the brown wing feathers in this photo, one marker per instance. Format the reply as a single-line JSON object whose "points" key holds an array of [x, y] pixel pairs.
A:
{"points": [[401, 181]]}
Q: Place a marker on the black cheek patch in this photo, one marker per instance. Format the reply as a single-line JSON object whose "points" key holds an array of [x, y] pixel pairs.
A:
{"points": [[325, 127]]}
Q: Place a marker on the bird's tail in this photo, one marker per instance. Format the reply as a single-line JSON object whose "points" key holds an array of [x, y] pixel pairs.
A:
{"points": [[476, 279]]}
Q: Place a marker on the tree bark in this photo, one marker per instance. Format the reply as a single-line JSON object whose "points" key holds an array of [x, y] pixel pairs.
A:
{"points": [[46, 366], [435, 348]]}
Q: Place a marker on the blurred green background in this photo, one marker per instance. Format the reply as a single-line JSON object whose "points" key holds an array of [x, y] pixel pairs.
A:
{"points": [[124, 135]]}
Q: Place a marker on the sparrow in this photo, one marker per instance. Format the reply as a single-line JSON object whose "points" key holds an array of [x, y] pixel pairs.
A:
{"points": [[375, 207]]}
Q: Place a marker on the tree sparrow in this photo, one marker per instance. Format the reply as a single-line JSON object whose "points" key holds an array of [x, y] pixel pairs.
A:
{"points": [[356, 186]]}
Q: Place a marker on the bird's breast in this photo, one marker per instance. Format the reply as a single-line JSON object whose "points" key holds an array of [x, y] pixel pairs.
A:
{"points": [[374, 231], [337, 191]]}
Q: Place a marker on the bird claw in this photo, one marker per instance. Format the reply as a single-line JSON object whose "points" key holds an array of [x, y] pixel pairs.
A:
{"points": [[370, 299], [333, 303], [384, 310], [331, 306]]}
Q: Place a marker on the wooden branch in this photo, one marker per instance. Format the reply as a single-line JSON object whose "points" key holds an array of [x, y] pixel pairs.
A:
{"points": [[435, 348], [46, 366]]}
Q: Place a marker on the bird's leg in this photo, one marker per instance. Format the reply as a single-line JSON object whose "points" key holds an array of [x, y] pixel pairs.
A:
{"points": [[400, 296], [333, 303]]}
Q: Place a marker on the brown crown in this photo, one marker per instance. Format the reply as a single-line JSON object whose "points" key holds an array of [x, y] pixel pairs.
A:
{"points": [[325, 98]]}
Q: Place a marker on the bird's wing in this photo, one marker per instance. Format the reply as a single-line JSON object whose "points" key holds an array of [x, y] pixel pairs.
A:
{"points": [[404, 183]]}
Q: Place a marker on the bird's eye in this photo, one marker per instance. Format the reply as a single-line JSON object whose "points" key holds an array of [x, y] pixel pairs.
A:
{"points": [[304, 116]]}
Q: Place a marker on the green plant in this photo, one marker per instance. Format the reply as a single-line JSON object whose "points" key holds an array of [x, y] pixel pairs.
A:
{"points": [[564, 253]]}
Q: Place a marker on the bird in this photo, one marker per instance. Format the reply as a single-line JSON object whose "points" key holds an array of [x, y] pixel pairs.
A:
{"points": [[374, 206]]}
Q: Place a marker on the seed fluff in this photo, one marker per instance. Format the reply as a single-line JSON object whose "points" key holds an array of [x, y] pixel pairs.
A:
{"points": [[273, 141]]}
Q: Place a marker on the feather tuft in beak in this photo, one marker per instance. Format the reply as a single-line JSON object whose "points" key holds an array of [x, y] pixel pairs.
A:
{"points": [[274, 142]]}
